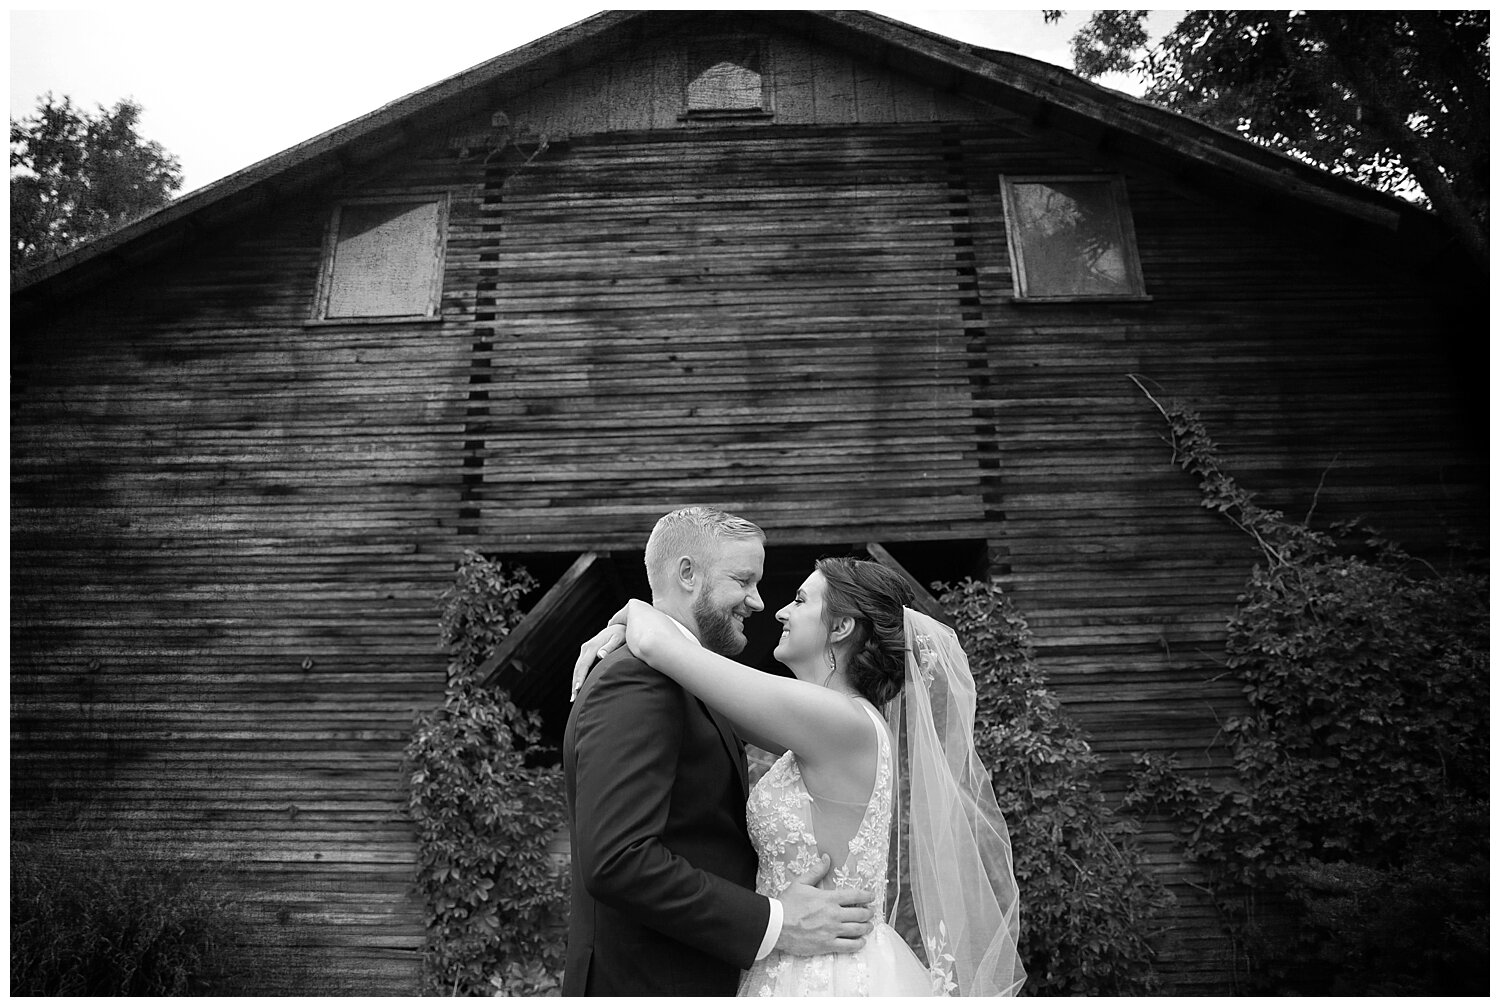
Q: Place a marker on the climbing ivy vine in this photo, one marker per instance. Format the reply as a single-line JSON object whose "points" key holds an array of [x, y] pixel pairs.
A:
{"points": [[1348, 847], [496, 904]]}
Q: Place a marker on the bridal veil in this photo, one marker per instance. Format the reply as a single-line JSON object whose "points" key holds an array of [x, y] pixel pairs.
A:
{"points": [[962, 882]]}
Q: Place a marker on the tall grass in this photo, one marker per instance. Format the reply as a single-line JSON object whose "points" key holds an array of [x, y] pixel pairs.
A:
{"points": [[94, 915]]}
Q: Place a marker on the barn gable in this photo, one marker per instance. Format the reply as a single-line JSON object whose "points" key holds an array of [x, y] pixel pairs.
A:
{"points": [[767, 261], [1109, 125], [665, 82]]}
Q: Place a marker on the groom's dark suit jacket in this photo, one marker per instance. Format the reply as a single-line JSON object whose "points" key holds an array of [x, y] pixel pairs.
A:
{"points": [[663, 869]]}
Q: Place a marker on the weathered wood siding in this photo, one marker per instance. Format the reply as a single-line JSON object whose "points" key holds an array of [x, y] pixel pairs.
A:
{"points": [[643, 87], [230, 528], [229, 531], [766, 319], [1325, 372]]}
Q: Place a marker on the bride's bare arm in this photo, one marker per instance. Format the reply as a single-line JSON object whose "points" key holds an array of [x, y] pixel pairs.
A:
{"points": [[612, 637], [771, 712]]}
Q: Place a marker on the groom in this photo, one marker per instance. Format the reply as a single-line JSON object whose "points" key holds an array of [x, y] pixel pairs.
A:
{"points": [[664, 895]]}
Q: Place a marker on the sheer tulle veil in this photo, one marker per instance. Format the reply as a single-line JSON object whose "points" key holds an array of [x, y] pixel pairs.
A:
{"points": [[962, 883]]}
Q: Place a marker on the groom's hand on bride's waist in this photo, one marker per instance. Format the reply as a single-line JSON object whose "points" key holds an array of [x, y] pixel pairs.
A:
{"points": [[816, 921]]}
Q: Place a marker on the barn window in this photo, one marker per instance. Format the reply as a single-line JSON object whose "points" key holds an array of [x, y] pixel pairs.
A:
{"points": [[1071, 238], [726, 79], [383, 258]]}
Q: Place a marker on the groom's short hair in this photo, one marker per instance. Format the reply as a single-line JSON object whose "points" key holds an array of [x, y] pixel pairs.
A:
{"points": [[692, 531]]}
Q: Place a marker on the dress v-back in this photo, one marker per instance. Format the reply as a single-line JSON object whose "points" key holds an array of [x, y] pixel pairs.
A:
{"points": [[790, 827]]}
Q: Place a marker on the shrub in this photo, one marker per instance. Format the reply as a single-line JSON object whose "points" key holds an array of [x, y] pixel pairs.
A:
{"points": [[94, 915], [1087, 899], [495, 902], [1360, 787], [1415, 930]]}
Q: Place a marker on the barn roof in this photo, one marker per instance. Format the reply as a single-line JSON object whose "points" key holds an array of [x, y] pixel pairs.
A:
{"points": [[1113, 123]]}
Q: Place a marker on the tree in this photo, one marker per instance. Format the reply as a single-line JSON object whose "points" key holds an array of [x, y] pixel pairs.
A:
{"points": [[76, 176], [1396, 99]]}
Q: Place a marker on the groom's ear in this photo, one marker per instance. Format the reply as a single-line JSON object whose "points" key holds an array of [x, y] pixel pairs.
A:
{"points": [[688, 573]]}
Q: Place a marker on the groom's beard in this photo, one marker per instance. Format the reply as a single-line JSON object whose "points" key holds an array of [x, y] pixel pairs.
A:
{"points": [[717, 631]]}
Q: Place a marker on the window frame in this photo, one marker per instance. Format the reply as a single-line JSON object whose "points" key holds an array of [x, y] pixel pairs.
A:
{"points": [[432, 311], [1123, 218], [706, 46]]}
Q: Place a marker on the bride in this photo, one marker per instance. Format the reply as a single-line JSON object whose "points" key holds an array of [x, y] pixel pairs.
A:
{"points": [[860, 656]]}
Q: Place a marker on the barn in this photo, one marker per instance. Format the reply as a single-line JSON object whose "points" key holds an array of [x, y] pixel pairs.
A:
{"points": [[870, 287]]}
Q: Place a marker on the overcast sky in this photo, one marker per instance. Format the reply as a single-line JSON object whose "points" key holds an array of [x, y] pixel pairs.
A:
{"points": [[225, 86]]}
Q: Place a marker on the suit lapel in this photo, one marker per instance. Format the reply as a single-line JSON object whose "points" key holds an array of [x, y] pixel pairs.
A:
{"points": [[726, 733], [731, 744]]}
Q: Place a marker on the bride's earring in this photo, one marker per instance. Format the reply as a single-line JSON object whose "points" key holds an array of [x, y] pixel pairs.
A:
{"points": [[833, 665], [833, 661]]}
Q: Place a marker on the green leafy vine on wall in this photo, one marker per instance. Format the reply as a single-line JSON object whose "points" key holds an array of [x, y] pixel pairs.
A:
{"points": [[496, 903], [1358, 800]]}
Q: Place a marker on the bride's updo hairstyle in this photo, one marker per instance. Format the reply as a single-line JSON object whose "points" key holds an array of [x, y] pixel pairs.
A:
{"points": [[873, 597]]}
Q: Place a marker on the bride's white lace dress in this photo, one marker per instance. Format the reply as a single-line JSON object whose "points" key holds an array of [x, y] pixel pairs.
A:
{"points": [[789, 826]]}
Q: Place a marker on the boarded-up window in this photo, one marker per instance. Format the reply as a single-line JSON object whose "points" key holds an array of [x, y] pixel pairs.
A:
{"points": [[727, 76], [1071, 238], [383, 259]]}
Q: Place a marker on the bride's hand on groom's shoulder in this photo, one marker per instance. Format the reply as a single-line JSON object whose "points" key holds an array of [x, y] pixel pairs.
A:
{"points": [[595, 648], [816, 921], [637, 622]]}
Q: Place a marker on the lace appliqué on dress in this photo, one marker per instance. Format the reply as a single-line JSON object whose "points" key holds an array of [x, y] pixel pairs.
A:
{"points": [[779, 814]]}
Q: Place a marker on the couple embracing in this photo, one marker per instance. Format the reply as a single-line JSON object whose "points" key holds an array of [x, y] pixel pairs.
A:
{"points": [[687, 882]]}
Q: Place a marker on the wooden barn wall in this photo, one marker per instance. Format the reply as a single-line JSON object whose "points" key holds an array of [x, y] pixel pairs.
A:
{"points": [[643, 87], [230, 528], [767, 320], [1326, 372], [229, 531]]}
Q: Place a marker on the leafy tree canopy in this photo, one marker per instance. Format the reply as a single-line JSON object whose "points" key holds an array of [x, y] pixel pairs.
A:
{"points": [[76, 175], [1396, 99]]}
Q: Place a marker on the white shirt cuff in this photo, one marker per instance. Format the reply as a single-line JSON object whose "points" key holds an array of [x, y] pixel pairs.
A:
{"points": [[773, 931]]}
